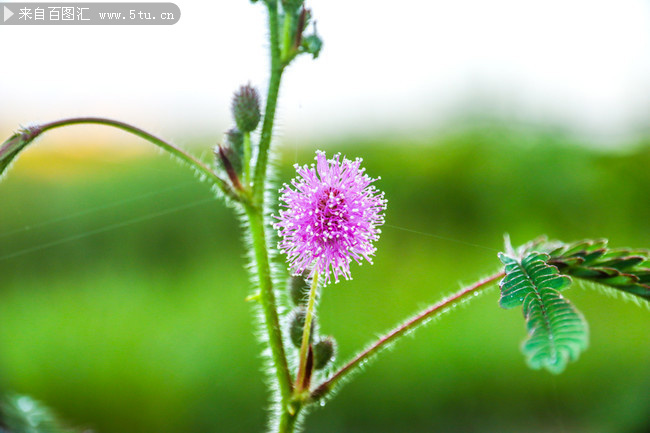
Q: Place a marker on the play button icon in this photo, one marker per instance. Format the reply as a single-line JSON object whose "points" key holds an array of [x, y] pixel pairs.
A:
{"points": [[8, 13]]}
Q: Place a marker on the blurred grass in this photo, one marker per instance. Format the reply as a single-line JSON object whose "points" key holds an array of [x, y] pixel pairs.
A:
{"points": [[143, 327]]}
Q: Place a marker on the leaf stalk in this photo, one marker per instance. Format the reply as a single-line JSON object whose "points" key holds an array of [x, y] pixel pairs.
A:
{"points": [[177, 152]]}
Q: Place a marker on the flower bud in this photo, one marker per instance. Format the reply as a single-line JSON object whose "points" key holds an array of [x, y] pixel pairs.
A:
{"points": [[297, 326], [312, 44], [235, 140], [299, 288], [324, 352], [230, 162], [246, 108]]}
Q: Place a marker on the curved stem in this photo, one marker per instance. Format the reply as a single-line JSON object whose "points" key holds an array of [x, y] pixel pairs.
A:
{"points": [[200, 167], [306, 337], [268, 302], [401, 331], [271, 102]]}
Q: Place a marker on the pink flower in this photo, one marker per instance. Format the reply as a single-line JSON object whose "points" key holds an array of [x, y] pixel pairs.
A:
{"points": [[330, 217]]}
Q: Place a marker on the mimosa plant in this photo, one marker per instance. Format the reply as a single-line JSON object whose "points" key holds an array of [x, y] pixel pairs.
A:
{"points": [[330, 216]]}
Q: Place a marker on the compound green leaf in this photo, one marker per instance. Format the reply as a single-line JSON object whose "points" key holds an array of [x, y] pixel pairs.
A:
{"points": [[557, 332], [623, 269]]}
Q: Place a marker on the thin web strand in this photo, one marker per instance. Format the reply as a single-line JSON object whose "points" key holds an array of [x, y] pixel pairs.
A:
{"points": [[93, 210], [159, 214], [444, 238], [105, 229]]}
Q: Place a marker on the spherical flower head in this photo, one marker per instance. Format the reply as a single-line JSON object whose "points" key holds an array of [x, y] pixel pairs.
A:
{"points": [[330, 217]]}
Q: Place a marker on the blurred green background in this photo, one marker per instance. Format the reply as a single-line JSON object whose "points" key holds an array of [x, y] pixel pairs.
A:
{"points": [[122, 289]]}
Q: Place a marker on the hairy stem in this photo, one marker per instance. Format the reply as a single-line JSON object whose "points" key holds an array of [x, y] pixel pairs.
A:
{"points": [[255, 212], [197, 165], [306, 337], [271, 102], [401, 331], [268, 302]]}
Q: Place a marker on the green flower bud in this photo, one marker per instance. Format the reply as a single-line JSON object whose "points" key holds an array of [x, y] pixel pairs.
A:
{"points": [[235, 140], [299, 289], [246, 108], [324, 352], [312, 44], [297, 326]]}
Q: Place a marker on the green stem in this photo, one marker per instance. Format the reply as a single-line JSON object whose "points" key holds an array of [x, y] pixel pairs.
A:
{"points": [[271, 102], [247, 159], [268, 302], [185, 157], [306, 337], [254, 210], [324, 388]]}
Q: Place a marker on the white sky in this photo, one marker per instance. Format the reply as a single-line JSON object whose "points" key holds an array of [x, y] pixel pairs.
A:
{"points": [[386, 66]]}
